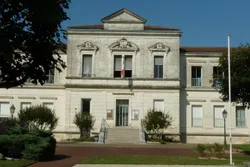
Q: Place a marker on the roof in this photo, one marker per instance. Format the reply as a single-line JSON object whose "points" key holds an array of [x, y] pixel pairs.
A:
{"points": [[101, 27], [121, 11], [204, 49]]}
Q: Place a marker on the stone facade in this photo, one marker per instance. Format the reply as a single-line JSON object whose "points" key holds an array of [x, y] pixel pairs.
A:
{"points": [[124, 33]]}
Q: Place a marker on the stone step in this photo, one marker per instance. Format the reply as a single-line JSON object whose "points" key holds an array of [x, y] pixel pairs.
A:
{"points": [[123, 135]]}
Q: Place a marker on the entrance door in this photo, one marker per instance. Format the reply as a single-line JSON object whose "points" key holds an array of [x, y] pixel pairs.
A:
{"points": [[122, 112]]}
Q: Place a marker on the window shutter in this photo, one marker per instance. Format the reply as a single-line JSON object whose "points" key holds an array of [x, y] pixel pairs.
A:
{"points": [[5, 109], [128, 62], [118, 63], [159, 105], [87, 64]]}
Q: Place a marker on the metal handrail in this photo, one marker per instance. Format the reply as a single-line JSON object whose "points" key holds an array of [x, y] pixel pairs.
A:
{"points": [[103, 131]]}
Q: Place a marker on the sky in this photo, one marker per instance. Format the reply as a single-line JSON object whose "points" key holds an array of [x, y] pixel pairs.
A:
{"points": [[204, 23]]}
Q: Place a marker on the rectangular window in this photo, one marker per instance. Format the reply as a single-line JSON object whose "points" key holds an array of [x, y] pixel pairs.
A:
{"points": [[49, 105], [86, 65], [197, 116], [196, 76], [4, 109], [85, 105], [217, 73], [158, 67], [218, 118], [240, 117], [25, 105], [50, 76], [118, 66], [159, 105], [128, 66]]}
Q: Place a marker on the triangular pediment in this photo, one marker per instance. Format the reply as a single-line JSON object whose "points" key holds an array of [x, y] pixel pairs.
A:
{"points": [[124, 15]]}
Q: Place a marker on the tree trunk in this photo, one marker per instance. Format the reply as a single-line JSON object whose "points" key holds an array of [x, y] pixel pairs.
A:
{"points": [[81, 132]]}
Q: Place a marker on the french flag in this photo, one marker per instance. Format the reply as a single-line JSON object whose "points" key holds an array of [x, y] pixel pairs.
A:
{"points": [[123, 68]]}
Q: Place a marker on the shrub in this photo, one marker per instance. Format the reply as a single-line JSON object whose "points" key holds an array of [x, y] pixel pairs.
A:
{"points": [[6, 123], [155, 122], [201, 148], [43, 150], [210, 150], [38, 116], [20, 143], [218, 150], [84, 138], [85, 122], [162, 142]]}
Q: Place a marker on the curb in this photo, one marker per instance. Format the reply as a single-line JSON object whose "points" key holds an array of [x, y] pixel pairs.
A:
{"points": [[120, 165]]}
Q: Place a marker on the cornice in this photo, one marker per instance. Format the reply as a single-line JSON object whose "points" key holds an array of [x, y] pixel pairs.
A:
{"points": [[125, 33], [120, 87], [133, 79]]}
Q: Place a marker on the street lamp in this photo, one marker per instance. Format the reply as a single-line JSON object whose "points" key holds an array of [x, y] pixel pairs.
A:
{"points": [[12, 111], [224, 115]]}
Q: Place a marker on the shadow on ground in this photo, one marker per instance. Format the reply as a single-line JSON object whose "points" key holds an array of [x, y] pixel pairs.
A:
{"points": [[246, 152], [58, 157]]}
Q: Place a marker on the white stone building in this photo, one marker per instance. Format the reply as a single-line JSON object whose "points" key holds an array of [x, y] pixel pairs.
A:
{"points": [[159, 74]]}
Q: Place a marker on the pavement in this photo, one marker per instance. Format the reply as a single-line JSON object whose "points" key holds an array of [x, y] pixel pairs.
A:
{"points": [[70, 154]]}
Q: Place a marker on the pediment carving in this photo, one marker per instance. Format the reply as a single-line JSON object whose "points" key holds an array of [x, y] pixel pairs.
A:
{"points": [[159, 47], [123, 45], [87, 46]]}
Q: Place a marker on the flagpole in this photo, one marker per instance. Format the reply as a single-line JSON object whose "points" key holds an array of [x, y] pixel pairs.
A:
{"points": [[229, 101]]}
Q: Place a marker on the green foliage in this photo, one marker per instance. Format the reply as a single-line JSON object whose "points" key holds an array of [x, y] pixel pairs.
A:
{"points": [[209, 150], [156, 122], [240, 74], [162, 142], [42, 150], [21, 143], [85, 122], [28, 28], [84, 138], [201, 148], [219, 150], [39, 116]]}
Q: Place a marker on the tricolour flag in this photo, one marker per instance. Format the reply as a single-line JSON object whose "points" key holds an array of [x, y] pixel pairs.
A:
{"points": [[123, 68]]}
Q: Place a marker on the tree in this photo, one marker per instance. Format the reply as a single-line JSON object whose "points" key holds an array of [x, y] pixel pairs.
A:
{"points": [[85, 122], [240, 75], [156, 122], [30, 39], [39, 116]]}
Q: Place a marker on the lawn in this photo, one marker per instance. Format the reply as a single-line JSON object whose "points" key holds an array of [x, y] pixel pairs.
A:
{"points": [[15, 163], [159, 160], [243, 147]]}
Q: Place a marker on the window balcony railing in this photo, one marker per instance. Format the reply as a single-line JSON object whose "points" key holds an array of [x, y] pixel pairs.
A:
{"points": [[196, 82], [240, 122], [197, 122], [87, 75], [219, 122]]}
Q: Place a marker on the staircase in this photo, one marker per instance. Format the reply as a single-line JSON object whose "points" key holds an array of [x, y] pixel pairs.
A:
{"points": [[123, 135]]}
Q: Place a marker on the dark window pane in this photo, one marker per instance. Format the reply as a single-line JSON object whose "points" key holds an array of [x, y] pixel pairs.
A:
{"points": [[117, 74], [156, 71], [161, 71], [128, 73], [85, 105]]}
